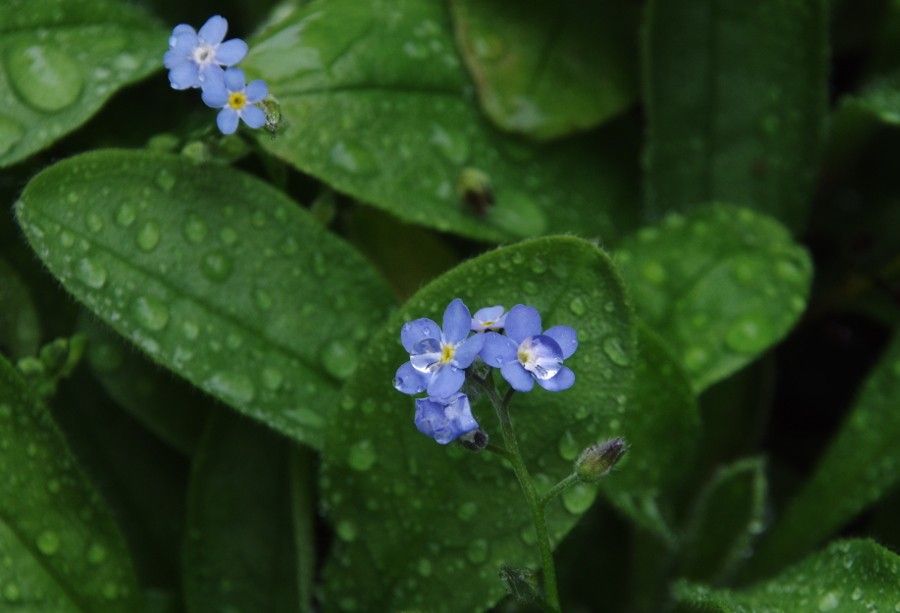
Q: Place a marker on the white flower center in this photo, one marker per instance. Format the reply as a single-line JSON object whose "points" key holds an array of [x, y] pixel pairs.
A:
{"points": [[204, 54]]}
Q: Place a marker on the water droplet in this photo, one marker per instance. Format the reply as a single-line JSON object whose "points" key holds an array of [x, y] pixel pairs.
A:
{"points": [[530, 287], [424, 567], [91, 273], [467, 511], [148, 236], [44, 76], [165, 180], [228, 236], [749, 335], [518, 215], [216, 266], [94, 222], [126, 214], [615, 351], [579, 498], [568, 447], [195, 230], [272, 379], [10, 134], [263, 299], [48, 542], [829, 601], [11, 592], [477, 551], [362, 455], [452, 146], [695, 358], [96, 554], [339, 359], [150, 313], [528, 535], [66, 239], [577, 306], [353, 159], [235, 387], [654, 272], [190, 329], [346, 530]]}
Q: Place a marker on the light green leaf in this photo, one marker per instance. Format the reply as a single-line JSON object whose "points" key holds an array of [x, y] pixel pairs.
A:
{"points": [[214, 274], [880, 98], [736, 96], [20, 331], [426, 519], [727, 516], [242, 552], [62, 59], [860, 465], [848, 576], [61, 548], [376, 104], [720, 285], [546, 69]]}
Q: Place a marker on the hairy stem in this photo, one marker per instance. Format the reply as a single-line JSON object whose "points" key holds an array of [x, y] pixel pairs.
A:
{"points": [[559, 488]]}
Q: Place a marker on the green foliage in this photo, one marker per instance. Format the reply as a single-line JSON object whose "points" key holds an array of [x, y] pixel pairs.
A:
{"points": [[62, 60], [63, 550], [20, 329], [546, 69], [188, 261], [432, 518], [720, 285]]}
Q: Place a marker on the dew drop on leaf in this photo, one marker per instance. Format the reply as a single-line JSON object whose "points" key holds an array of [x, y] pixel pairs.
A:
{"points": [[10, 134], [362, 455], [48, 542], [578, 499], [339, 359], [91, 273], [43, 76], [148, 236], [150, 313]]}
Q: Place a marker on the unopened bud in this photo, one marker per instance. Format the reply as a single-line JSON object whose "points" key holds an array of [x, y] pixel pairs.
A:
{"points": [[596, 461], [476, 440], [474, 188]]}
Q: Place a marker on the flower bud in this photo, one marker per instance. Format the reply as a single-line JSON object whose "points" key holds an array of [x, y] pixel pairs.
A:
{"points": [[474, 188], [476, 440], [596, 461]]}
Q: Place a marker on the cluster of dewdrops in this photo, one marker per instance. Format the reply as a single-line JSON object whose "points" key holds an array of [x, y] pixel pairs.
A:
{"points": [[204, 59], [439, 357]]}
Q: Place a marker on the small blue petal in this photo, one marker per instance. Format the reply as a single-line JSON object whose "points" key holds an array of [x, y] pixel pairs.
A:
{"points": [[445, 420], [521, 322], [542, 356], [214, 94], [183, 42], [231, 52], [517, 377], [408, 380], [563, 380], [457, 321], [253, 117], [211, 75], [227, 120], [566, 338], [256, 90], [468, 350], [172, 58], [213, 31], [184, 76], [418, 330], [446, 381], [234, 79], [488, 318], [497, 349]]}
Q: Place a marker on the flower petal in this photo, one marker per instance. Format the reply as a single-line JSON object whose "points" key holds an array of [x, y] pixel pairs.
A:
{"points": [[409, 380], [227, 120], [253, 117], [457, 321], [256, 90], [445, 420], [418, 330], [184, 76], [521, 322], [213, 31], [566, 338], [231, 52], [488, 318], [445, 382], [517, 377], [426, 355], [212, 75], [214, 94], [543, 357], [234, 79], [497, 349], [183, 41], [468, 350], [563, 380], [172, 58]]}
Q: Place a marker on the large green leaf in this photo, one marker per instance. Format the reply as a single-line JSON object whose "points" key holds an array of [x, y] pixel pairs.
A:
{"points": [[61, 60], [212, 273], [242, 552], [20, 330], [425, 519], [720, 285], [860, 465], [855, 575], [376, 104], [60, 546], [736, 101], [549, 68]]}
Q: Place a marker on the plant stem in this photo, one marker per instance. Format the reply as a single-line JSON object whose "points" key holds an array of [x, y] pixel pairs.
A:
{"points": [[558, 489]]}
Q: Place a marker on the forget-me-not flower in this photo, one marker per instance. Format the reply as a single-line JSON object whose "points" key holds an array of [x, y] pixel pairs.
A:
{"points": [[445, 419], [238, 101], [524, 354], [488, 318], [438, 357], [195, 59]]}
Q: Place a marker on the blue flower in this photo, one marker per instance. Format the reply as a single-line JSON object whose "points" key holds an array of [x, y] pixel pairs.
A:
{"points": [[237, 101], [488, 318], [445, 419], [195, 59], [438, 358], [525, 355]]}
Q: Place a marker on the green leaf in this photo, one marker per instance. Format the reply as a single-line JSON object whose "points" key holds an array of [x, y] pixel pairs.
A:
{"points": [[546, 69], [63, 59], [853, 575], [376, 103], [727, 516], [62, 549], [20, 330], [880, 98], [170, 408], [423, 519], [243, 552], [720, 285], [214, 274], [860, 465], [736, 96]]}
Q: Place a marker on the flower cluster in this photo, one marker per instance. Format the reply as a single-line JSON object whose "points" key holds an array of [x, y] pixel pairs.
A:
{"points": [[204, 59], [440, 357]]}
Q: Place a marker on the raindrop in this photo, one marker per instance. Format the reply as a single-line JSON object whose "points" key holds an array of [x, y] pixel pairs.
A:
{"points": [[467, 511], [195, 230], [96, 554], [614, 350], [48, 542], [578, 499], [94, 222], [518, 215], [165, 180], [362, 455], [228, 235], [148, 236], [11, 592], [234, 387], [346, 530], [126, 214], [91, 273], [577, 306], [339, 359], [654, 272], [452, 146], [568, 447], [695, 358], [424, 567], [10, 134], [477, 551], [829, 601], [150, 313], [216, 266], [352, 159], [190, 329], [66, 239], [749, 335], [263, 299], [272, 379], [44, 77]]}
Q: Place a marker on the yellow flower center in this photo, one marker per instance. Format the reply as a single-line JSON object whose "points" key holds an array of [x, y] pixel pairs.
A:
{"points": [[447, 353], [237, 100], [524, 356], [488, 324]]}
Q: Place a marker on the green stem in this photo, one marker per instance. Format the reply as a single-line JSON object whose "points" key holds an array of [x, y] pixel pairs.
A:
{"points": [[559, 488]]}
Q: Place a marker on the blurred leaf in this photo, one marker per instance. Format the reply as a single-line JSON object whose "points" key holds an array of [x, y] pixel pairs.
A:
{"points": [[376, 104], [433, 517], [720, 285], [736, 103], [63, 60], [61, 548], [240, 554], [726, 518], [212, 273], [880, 97], [545, 68], [20, 329], [861, 464], [170, 408], [853, 575]]}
